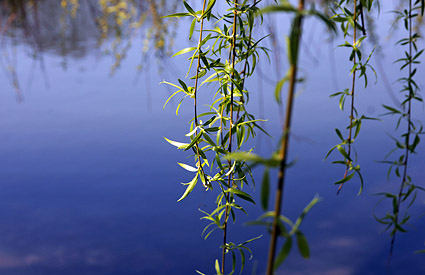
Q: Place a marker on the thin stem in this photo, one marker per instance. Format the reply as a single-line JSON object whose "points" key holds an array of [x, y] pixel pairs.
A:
{"points": [[199, 63], [284, 146], [352, 99], [195, 94], [409, 129], [245, 67], [230, 182]]}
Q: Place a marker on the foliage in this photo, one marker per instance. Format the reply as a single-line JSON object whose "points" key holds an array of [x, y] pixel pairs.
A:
{"points": [[226, 56], [407, 142], [351, 19]]}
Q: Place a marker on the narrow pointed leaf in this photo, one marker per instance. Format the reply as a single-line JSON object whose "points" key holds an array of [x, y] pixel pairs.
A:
{"points": [[303, 245], [265, 190], [189, 188]]}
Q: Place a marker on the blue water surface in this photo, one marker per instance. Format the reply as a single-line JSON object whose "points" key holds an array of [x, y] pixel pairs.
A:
{"points": [[88, 185]]}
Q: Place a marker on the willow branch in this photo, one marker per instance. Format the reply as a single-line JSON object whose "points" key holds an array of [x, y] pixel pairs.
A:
{"points": [[195, 90], [284, 145], [409, 129], [352, 99], [230, 177], [245, 67]]}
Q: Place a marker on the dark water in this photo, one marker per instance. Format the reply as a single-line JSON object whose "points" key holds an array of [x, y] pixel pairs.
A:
{"points": [[89, 186]]}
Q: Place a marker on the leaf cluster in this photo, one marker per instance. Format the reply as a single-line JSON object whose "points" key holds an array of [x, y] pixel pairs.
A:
{"points": [[220, 62], [407, 141]]}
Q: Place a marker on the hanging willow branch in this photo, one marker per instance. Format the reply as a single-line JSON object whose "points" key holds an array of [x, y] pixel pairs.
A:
{"points": [[349, 139], [230, 177], [409, 130], [295, 41], [211, 142], [411, 87], [348, 20]]}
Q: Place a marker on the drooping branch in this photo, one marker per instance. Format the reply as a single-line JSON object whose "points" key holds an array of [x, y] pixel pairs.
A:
{"points": [[353, 85], [285, 138], [230, 177]]}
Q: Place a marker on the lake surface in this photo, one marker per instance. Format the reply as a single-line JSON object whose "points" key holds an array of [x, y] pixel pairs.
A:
{"points": [[89, 185]]}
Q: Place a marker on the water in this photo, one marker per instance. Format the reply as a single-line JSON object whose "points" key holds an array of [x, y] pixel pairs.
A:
{"points": [[89, 186]]}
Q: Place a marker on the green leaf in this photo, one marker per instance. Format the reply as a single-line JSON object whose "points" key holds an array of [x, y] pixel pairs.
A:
{"points": [[193, 141], [189, 188], [188, 167], [184, 86], [358, 126], [179, 145], [205, 40], [307, 209], [192, 28], [240, 194], [284, 7], [391, 109], [357, 170], [179, 14], [163, 107], [303, 245], [209, 140], [201, 73], [244, 156], [233, 262], [265, 190], [171, 84], [347, 178], [284, 252], [338, 132], [255, 159], [185, 50], [217, 268], [278, 88], [250, 121], [207, 11], [343, 152], [209, 121], [242, 260], [330, 151], [189, 9], [294, 41], [192, 132], [178, 106]]}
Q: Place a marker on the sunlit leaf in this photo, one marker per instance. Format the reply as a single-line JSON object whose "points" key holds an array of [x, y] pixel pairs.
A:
{"points": [[189, 188], [179, 145], [185, 50], [188, 167]]}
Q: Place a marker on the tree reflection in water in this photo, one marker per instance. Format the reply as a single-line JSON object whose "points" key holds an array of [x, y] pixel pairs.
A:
{"points": [[75, 28]]}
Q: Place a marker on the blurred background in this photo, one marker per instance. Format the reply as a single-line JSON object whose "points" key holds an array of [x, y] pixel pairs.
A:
{"points": [[88, 185]]}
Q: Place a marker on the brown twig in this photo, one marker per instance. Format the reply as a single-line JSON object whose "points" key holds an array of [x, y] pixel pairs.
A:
{"points": [[230, 177], [352, 100], [409, 129], [284, 145], [195, 89]]}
